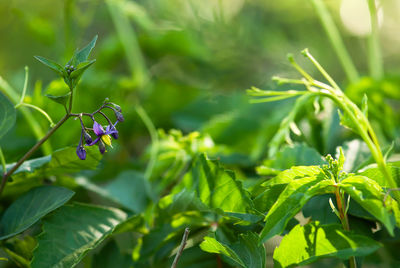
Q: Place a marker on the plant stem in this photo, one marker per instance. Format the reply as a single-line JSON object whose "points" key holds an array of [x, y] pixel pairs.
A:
{"points": [[374, 50], [39, 110], [30, 152], [344, 220], [181, 247], [336, 40]]}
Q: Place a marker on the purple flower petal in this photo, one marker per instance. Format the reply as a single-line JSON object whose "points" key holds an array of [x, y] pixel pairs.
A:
{"points": [[94, 142], [98, 129], [102, 147]]}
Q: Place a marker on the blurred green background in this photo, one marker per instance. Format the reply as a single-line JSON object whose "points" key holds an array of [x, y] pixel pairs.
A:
{"points": [[187, 63]]}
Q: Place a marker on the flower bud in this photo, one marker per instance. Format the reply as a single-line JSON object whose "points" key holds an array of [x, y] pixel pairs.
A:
{"points": [[81, 152], [119, 116], [88, 138], [102, 146]]}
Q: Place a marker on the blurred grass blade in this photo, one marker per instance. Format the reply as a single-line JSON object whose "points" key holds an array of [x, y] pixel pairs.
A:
{"points": [[7, 115]]}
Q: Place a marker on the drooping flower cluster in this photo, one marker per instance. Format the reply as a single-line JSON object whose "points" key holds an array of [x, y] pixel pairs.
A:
{"points": [[103, 137]]}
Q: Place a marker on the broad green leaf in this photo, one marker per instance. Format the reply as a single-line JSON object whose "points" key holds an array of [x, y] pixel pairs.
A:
{"points": [[368, 194], [83, 54], [52, 65], [71, 232], [216, 187], [31, 207], [290, 202], [32, 172], [247, 252], [274, 187], [129, 189], [308, 243], [183, 201], [57, 91], [7, 115]]}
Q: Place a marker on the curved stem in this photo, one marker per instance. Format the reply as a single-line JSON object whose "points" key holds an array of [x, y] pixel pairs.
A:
{"points": [[39, 110]]}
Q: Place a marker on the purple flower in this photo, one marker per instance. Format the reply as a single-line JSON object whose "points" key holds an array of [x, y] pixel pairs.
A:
{"points": [[81, 152], [103, 136]]}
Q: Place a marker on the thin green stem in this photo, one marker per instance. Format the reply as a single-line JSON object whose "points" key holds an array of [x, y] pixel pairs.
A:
{"points": [[154, 139], [30, 152], [3, 162], [299, 69], [374, 51], [29, 118], [39, 110], [307, 54], [336, 40], [24, 88]]}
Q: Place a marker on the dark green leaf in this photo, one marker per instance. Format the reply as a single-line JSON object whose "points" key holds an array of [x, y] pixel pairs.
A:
{"points": [[71, 232], [83, 54], [7, 115], [368, 194], [247, 252], [130, 189], [30, 207], [81, 68], [308, 243], [52, 65], [290, 202]]}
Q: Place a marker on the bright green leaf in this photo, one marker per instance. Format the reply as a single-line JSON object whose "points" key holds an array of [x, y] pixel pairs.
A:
{"points": [[7, 115], [290, 202], [30, 207], [71, 232], [368, 194], [247, 252], [308, 243]]}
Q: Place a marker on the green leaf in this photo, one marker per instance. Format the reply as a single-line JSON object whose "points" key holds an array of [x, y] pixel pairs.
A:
{"points": [[274, 187], [247, 252], [373, 172], [216, 187], [129, 189], [290, 202], [7, 115], [65, 160], [75, 76], [52, 65], [83, 54], [308, 243], [57, 91], [31, 207], [71, 232], [368, 194], [295, 155]]}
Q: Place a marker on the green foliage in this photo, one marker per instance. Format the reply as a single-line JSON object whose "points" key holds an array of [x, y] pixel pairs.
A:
{"points": [[72, 231], [7, 115], [370, 196], [247, 252], [310, 242], [31, 207]]}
